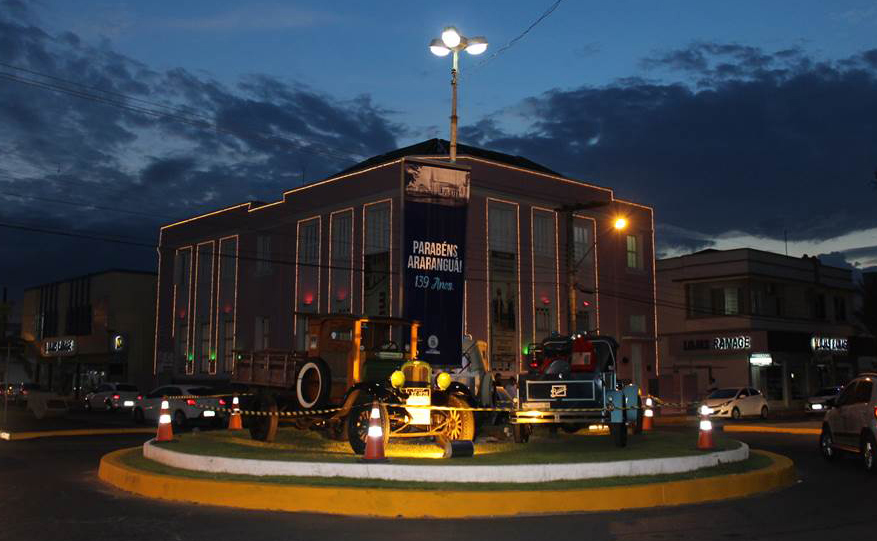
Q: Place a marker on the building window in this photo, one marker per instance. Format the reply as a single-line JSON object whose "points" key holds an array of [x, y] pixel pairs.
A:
{"points": [[543, 233], [261, 336], [205, 348], [638, 324], [203, 317], [543, 320], [583, 321], [634, 252], [376, 255], [503, 284], [228, 347], [340, 264], [819, 306], [732, 301], [840, 309], [263, 255], [581, 243], [226, 295]]}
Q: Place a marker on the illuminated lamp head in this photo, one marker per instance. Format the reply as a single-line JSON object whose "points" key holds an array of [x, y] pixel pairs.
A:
{"points": [[397, 379], [620, 223], [443, 381], [309, 299]]}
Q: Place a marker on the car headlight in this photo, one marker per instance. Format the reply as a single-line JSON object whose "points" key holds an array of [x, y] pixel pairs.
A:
{"points": [[706, 410], [816, 406]]}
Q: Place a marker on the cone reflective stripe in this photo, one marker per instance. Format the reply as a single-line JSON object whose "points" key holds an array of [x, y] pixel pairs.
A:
{"points": [[374, 441], [165, 430], [705, 434], [234, 421], [648, 414]]}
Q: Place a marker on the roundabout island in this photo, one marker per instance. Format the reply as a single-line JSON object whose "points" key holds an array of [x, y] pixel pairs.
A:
{"points": [[553, 474]]}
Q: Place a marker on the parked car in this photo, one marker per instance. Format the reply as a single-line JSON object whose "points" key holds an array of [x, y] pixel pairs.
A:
{"points": [[736, 402], [22, 392], [183, 411], [112, 397], [821, 400], [849, 426]]}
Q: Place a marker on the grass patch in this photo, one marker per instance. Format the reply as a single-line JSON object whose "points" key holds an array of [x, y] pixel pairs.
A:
{"points": [[297, 445], [135, 459]]}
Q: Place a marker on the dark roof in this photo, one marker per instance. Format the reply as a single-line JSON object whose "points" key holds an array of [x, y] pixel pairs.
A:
{"points": [[91, 274], [441, 147]]}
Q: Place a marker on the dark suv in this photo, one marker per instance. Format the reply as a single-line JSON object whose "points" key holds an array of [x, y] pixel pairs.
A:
{"points": [[851, 424]]}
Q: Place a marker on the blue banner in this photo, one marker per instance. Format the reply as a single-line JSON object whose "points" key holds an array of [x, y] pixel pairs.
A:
{"points": [[436, 204]]}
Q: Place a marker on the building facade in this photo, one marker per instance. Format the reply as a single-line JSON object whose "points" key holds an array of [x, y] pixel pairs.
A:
{"points": [[745, 317], [89, 329], [246, 277]]}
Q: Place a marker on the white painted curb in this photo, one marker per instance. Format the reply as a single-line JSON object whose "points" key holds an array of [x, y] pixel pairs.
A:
{"points": [[519, 473]]}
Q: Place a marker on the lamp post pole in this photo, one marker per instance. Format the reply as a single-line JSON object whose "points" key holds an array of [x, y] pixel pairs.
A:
{"points": [[571, 263], [452, 42], [454, 108]]}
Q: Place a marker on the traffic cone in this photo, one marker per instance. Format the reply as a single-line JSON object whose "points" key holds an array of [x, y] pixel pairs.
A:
{"points": [[374, 441], [165, 430], [705, 436], [648, 414], [234, 421]]}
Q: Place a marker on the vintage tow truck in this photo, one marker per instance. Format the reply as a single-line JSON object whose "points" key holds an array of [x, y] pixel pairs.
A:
{"points": [[568, 374], [351, 361]]}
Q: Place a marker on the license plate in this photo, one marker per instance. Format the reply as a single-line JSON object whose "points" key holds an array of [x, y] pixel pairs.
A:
{"points": [[536, 405], [209, 413], [128, 403], [417, 391]]}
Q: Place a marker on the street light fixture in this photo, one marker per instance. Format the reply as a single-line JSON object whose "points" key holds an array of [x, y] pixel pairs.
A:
{"points": [[620, 223], [453, 42]]}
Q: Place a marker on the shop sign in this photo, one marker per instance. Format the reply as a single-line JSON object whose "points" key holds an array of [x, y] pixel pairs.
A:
{"points": [[59, 347], [436, 206], [822, 343], [719, 343], [760, 359]]}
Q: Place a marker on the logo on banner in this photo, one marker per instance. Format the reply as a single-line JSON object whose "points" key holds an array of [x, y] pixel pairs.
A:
{"points": [[433, 343], [558, 391]]}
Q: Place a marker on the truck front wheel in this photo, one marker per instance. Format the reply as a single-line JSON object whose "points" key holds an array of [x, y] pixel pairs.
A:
{"points": [[459, 423], [263, 426], [619, 433]]}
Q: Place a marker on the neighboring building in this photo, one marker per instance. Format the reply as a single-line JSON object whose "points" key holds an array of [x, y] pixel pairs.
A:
{"points": [[246, 277], [90, 329], [745, 317]]}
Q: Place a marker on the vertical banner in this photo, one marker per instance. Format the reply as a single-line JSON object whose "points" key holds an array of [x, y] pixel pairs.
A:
{"points": [[436, 204]]}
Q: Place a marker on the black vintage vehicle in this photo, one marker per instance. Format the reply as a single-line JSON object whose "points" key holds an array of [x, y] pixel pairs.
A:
{"points": [[571, 383], [350, 362]]}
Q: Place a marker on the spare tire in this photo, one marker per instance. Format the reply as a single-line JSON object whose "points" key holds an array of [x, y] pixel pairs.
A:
{"points": [[312, 384]]}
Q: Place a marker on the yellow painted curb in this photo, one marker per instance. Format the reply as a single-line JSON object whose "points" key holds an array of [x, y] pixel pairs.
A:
{"points": [[383, 502], [14, 436], [772, 429]]}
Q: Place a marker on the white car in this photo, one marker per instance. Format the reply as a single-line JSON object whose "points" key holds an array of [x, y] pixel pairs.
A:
{"points": [[736, 402], [851, 424], [112, 397], [197, 408], [821, 401]]}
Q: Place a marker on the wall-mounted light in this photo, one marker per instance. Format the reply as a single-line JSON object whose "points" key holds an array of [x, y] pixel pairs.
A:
{"points": [[546, 300], [308, 299]]}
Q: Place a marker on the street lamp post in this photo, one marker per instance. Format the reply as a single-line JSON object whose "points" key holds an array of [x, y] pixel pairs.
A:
{"points": [[452, 42]]}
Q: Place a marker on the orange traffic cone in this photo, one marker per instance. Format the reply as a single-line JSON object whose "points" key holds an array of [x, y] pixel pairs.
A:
{"points": [[374, 441], [648, 414], [165, 430], [705, 437], [234, 421]]}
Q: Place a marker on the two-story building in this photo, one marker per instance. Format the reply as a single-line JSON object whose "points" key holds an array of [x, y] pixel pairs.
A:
{"points": [[517, 250], [89, 329], [745, 317]]}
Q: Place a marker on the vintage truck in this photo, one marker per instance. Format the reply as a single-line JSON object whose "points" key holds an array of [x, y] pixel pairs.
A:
{"points": [[350, 361], [569, 374]]}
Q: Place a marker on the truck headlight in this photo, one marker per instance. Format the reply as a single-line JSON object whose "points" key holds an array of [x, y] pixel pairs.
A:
{"points": [[443, 381], [397, 379]]}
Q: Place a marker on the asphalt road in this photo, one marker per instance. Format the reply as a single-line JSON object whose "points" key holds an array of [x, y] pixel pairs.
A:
{"points": [[49, 491]]}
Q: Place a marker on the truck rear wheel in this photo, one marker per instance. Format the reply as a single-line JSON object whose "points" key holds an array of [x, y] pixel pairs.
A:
{"points": [[357, 426], [263, 426], [312, 384], [619, 433]]}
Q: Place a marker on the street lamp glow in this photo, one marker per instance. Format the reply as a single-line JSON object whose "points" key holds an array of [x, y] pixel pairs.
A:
{"points": [[620, 223], [438, 48], [450, 37], [476, 45]]}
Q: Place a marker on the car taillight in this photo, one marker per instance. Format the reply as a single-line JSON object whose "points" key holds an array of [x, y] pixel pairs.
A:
{"points": [[24, 391], [190, 401], [116, 397], [139, 397], [221, 401], [875, 412], [534, 365]]}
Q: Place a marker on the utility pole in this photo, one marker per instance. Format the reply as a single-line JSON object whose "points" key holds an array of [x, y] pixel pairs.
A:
{"points": [[571, 263]]}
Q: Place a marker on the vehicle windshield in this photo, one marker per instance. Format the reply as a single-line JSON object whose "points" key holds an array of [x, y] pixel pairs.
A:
{"points": [[556, 348], [126, 388], [724, 393], [827, 391]]}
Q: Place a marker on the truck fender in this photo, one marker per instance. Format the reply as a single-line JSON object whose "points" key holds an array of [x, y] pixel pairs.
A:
{"points": [[458, 389], [360, 393], [615, 399]]}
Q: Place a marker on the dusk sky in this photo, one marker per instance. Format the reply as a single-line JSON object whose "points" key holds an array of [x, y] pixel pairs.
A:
{"points": [[736, 121]]}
